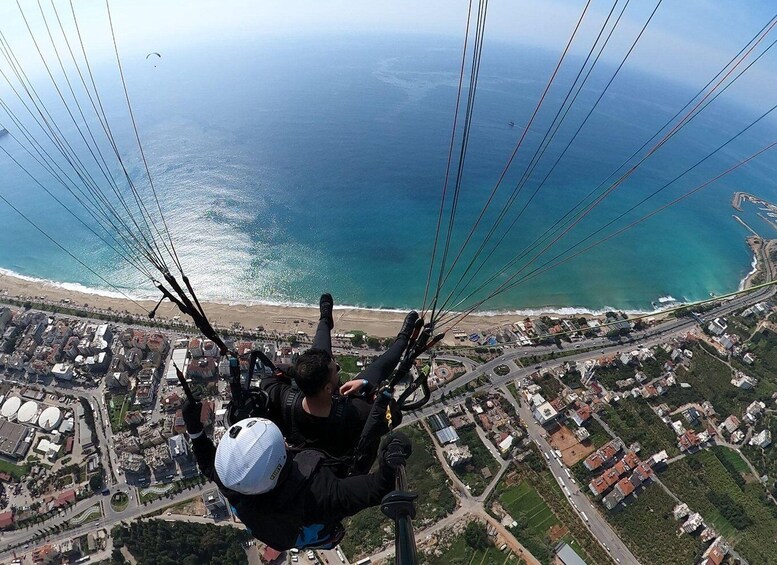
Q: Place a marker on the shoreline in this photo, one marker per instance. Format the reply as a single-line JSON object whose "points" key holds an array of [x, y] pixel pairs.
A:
{"points": [[290, 319]]}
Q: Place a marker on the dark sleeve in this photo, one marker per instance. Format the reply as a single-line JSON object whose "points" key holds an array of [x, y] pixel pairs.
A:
{"points": [[334, 498], [205, 453], [276, 388]]}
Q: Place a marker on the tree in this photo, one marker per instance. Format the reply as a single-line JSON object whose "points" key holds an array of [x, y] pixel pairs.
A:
{"points": [[373, 342], [476, 536], [96, 482], [293, 340], [358, 339]]}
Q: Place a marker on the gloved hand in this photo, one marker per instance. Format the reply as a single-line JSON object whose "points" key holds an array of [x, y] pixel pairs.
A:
{"points": [[397, 449], [191, 412]]}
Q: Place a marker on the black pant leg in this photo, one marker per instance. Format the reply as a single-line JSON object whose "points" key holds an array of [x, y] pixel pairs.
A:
{"points": [[323, 337], [381, 369]]}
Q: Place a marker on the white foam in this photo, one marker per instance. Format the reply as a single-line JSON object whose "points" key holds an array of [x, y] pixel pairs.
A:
{"points": [[139, 294], [753, 270]]}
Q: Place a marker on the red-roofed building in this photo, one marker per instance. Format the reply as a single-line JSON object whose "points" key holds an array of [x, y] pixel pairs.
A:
{"points": [[715, 556], [270, 555], [6, 520], [644, 471], [485, 422], [581, 415], [594, 461], [689, 440], [5, 478], [69, 445], [172, 402], [602, 484], [45, 554], [65, 498], [624, 487], [631, 459]]}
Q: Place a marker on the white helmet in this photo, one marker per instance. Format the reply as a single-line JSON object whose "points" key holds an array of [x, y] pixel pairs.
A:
{"points": [[250, 456]]}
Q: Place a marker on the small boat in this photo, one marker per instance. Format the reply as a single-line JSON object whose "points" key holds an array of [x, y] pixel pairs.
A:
{"points": [[511, 124]]}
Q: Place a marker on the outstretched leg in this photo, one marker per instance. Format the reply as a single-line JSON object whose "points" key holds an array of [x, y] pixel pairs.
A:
{"points": [[326, 323], [381, 369]]}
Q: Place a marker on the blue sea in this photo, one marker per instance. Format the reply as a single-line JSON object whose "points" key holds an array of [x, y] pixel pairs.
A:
{"points": [[291, 167]]}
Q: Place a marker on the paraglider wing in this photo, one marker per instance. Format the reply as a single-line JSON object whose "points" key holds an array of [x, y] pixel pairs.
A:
{"points": [[153, 53]]}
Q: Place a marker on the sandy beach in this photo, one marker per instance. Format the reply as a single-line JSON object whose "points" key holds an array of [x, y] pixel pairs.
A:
{"points": [[283, 319]]}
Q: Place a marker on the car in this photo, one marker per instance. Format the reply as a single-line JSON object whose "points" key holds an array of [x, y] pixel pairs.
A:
{"points": [[169, 513], [294, 559], [311, 555]]}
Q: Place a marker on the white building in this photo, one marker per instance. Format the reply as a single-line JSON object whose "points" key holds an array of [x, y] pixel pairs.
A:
{"points": [[762, 439]]}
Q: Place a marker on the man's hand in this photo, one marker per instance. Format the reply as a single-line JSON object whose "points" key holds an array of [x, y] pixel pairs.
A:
{"points": [[191, 411], [398, 448], [353, 387]]}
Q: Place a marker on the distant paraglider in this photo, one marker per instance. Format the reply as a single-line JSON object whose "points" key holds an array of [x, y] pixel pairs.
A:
{"points": [[155, 55]]}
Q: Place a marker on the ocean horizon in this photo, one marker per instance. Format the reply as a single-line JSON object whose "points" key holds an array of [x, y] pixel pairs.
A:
{"points": [[290, 169]]}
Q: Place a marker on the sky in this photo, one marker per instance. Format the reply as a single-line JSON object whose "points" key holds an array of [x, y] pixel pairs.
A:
{"points": [[687, 41]]}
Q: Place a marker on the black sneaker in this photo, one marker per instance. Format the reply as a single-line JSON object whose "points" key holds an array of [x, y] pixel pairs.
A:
{"points": [[408, 325], [325, 305]]}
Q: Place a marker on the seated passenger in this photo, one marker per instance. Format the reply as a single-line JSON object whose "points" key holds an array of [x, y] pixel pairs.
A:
{"points": [[319, 412], [288, 499]]}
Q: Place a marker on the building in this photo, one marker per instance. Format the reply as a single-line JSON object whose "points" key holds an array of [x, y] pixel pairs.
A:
{"points": [[717, 326], [604, 455], [15, 439], [6, 520], [681, 511], [179, 358], [447, 435], [693, 523], [544, 413], [457, 455], [688, 441], [762, 439], [178, 446], [730, 424], [214, 502], [567, 556], [744, 382], [581, 415]]}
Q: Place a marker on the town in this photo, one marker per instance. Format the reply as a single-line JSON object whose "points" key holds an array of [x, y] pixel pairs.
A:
{"points": [[565, 440]]}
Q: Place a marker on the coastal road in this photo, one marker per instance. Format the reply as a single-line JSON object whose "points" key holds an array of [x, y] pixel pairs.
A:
{"points": [[592, 518]]}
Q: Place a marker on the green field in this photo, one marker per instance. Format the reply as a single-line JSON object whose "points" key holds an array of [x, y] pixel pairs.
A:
{"points": [[650, 532], [523, 498], [598, 435], [16, 471], [471, 474], [738, 510], [426, 478], [459, 553], [733, 458], [118, 405], [537, 504], [634, 420]]}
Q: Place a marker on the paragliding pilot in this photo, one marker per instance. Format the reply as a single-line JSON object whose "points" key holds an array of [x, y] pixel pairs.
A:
{"points": [[315, 410], [288, 498]]}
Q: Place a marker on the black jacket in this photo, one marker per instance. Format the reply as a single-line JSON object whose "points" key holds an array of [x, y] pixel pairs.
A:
{"points": [[336, 434], [307, 494]]}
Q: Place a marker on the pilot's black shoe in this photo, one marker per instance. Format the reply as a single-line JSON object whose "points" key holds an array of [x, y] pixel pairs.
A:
{"points": [[408, 325], [325, 305]]}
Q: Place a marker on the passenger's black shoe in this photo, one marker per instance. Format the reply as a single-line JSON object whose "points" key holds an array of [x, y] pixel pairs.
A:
{"points": [[408, 325], [325, 305]]}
